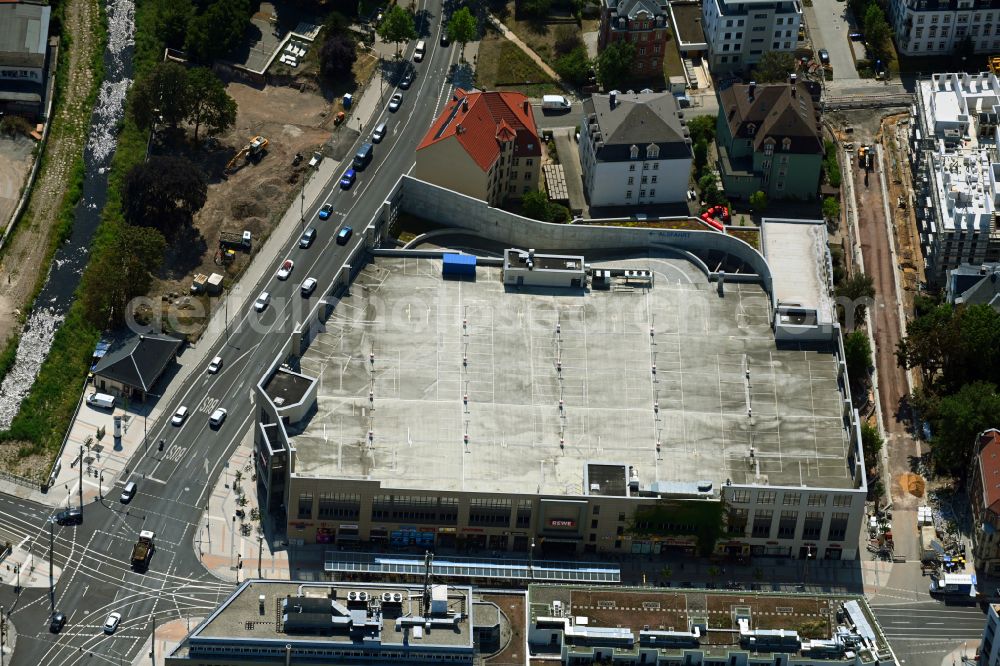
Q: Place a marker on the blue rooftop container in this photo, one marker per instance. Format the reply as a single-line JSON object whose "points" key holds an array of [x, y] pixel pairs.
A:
{"points": [[458, 265]]}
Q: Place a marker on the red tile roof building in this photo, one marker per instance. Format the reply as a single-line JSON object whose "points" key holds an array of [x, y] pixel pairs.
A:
{"points": [[484, 145], [985, 499]]}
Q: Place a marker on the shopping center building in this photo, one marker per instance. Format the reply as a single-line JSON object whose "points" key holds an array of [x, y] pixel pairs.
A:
{"points": [[562, 403]]}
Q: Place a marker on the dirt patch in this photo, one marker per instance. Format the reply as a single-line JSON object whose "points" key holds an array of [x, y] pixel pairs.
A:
{"points": [[911, 483], [254, 195], [23, 259], [15, 163]]}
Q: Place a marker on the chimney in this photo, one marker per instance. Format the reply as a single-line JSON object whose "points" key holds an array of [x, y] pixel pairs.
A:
{"points": [[613, 98], [792, 78], [527, 107], [465, 104], [751, 89]]}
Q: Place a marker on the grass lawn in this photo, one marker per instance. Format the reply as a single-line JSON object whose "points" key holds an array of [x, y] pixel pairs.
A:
{"points": [[501, 65], [689, 225], [749, 236]]}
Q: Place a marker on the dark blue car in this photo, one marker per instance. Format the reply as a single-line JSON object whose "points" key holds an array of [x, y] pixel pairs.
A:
{"points": [[344, 235], [348, 179]]}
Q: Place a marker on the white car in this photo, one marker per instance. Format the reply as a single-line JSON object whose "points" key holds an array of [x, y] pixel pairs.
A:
{"points": [[215, 365], [217, 417], [395, 101], [286, 269], [179, 416], [261, 303], [308, 287], [112, 622]]}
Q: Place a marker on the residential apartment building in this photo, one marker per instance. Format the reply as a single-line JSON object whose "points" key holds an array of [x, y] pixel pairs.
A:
{"points": [[989, 647], [985, 499], [739, 32], [635, 149], [956, 166], [769, 139], [933, 27], [974, 285], [645, 23], [484, 145]]}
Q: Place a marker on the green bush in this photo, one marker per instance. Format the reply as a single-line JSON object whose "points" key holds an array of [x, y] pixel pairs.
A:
{"points": [[830, 165]]}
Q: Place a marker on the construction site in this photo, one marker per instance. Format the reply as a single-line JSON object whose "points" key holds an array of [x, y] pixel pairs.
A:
{"points": [[255, 171]]}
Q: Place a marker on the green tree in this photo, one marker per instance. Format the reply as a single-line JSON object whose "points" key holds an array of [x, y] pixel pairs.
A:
{"points": [[758, 201], [930, 343], [397, 26], [534, 8], [218, 30], [871, 445], [164, 193], [336, 24], [614, 64], [831, 208], [161, 93], [855, 293], [702, 128], [210, 105], [337, 56], [877, 32], [462, 28], [171, 21], [774, 67], [574, 67], [700, 158], [857, 356], [959, 418], [535, 204], [121, 270]]}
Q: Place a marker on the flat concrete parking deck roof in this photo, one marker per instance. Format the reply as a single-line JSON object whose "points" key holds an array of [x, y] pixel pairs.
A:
{"points": [[517, 353]]}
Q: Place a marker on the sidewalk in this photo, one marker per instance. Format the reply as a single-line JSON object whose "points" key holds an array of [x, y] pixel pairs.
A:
{"points": [[225, 539], [168, 637], [24, 568]]}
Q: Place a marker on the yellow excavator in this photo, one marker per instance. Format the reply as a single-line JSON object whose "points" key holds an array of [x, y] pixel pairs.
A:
{"points": [[254, 149]]}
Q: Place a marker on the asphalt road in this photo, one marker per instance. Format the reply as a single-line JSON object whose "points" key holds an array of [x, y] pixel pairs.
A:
{"points": [[174, 486], [922, 633]]}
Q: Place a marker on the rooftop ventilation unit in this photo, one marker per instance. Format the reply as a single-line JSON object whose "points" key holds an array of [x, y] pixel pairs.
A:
{"points": [[387, 597], [352, 595], [362, 596]]}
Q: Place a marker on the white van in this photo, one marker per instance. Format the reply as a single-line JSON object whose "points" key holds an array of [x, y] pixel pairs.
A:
{"points": [[555, 103], [418, 53], [101, 400]]}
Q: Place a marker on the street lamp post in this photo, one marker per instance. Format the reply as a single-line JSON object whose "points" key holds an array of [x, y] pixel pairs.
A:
{"points": [[260, 553], [531, 561], [17, 570], [100, 485]]}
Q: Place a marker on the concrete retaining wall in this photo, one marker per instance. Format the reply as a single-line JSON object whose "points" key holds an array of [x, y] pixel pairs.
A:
{"points": [[451, 208]]}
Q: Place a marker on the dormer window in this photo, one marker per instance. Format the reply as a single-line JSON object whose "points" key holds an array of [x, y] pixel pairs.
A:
{"points": [[652, 152], [786, 144], [769, 146], [751, 129], [634, 152]]}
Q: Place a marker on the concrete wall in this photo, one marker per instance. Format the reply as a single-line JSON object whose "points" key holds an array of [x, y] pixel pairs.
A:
{"points": [[451, 208]]}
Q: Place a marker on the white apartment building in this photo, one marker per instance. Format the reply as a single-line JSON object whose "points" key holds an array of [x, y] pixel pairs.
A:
{"points": [[739, 33], [635, 149], [989, 648], [954, 151], [930, 27]]}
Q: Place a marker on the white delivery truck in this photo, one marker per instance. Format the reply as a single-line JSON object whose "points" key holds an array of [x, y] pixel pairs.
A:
{"points": [[555, 103], [101, 400]]}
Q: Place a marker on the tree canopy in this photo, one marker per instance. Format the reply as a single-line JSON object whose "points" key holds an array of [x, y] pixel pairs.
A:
{"points": [[536, 205], [120, 274], [218, 30], [831, 208], [397, 26], [878, 34], [774, 67], [871, 444], [161, 93], [534, 8], [857, 356], [574, 67], [164, 193], [209, 105], [758, 201], [196, 96], [957, 351], [462, 28], [337, 55], [614, 64], [702, 128], [855, 293]]}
